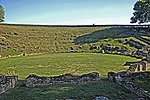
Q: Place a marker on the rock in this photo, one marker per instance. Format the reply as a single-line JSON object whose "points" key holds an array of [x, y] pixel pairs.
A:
{"points": [[7, 82], [101, 98], [15, 33], [139, 66], [124, 79]]}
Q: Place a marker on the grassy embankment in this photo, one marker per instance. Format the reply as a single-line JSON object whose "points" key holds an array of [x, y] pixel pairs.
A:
{"points": [[15, 40]]}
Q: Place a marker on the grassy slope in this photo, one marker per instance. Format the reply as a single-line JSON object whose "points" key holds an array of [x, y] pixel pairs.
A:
{"points": [[15, 40], [23, 39]]}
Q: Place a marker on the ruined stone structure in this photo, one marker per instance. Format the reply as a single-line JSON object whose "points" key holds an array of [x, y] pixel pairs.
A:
{"points": [[7, 82], [34, 80], [123, 78], [137, 67], [148, 57]]}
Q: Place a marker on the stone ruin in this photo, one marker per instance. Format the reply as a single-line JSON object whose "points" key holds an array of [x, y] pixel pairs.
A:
{"points": [[7, 82], [124, 79], [34, 80], [139, 66]]}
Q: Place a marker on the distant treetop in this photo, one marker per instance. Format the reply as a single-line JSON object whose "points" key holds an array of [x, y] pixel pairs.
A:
{"points": [[1, 14], [141, 12], [145, 0]]}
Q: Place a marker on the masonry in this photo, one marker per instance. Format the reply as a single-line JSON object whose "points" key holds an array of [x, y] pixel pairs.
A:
{"points": [[139, 66], [34, 80], [7, 82], [124, 79]]}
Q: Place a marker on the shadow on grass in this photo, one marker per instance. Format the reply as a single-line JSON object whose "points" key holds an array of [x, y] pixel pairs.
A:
{"points": [[72, 91], [99, 35]]}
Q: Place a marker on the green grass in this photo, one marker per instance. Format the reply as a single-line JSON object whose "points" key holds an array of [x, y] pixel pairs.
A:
{"points": [[143, 83], [74, 63], [56, 64], [99, 35], [78, 92], [147, 37]]}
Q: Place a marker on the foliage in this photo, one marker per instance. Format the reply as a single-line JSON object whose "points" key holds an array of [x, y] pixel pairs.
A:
{"points": [[141, 12], [1, 14], [145, 0]]}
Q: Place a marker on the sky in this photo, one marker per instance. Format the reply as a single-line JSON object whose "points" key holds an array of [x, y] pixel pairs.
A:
{"points": [[68, 12]]}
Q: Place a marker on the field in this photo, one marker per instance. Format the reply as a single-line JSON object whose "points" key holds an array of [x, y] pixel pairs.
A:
{"points": [[51, 51], [56, 64]]}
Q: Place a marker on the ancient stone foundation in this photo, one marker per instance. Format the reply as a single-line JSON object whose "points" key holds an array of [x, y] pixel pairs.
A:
{"points": [[7, 82], [123, 78], [34, 80]]}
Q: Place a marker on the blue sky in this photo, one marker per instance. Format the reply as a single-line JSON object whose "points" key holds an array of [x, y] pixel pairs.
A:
{"points": [[67, 12]]}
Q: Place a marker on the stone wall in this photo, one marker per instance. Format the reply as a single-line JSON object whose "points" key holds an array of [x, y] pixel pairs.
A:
{"points": [[34, 80], [123, 78], [7, 82], [139, 66], [136, 44]]}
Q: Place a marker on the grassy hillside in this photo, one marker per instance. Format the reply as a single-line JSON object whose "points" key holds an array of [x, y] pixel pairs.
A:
{"points": [[29, 39], [16, 40]]}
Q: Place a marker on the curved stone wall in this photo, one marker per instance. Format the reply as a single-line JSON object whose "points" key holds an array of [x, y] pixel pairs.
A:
{"points": [[34, 80]]}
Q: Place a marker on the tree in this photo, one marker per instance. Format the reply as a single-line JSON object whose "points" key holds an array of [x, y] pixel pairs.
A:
{"points": [[141, 12], [1, 14], [145, 0]]}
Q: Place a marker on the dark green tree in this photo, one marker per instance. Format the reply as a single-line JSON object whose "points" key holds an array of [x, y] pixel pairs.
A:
{"points": [[141, 12], [1, 14]]}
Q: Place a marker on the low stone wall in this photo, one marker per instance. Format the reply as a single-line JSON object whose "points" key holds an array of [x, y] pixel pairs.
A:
{"points": [[124, 78], [136, 44], [34, 80], [7, 82]]}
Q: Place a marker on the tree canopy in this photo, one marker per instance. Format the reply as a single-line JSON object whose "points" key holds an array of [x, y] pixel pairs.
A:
{"points": [[145, 0], [141, 12], [1, 14]]}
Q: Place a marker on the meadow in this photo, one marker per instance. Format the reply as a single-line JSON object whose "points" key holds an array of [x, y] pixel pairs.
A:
{"points": [[56, 64], [74, 63]]}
